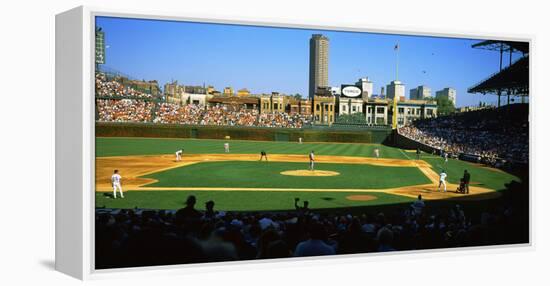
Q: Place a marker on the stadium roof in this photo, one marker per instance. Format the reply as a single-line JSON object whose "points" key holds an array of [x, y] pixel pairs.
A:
{"points": [[514, 80], [506, 46]]}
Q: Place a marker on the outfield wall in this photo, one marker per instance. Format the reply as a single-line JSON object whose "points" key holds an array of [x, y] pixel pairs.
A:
{"points": [[328, 134]]}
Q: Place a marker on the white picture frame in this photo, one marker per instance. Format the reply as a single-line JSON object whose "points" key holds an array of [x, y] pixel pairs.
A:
{"points": [[75, 136]]}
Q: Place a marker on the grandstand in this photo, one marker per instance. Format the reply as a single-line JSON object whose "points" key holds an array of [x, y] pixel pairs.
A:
{"points": [[495, 136], [498, 136], [512, 80]]}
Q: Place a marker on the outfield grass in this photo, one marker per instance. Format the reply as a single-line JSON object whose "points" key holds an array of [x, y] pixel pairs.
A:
{"points": [[267, 175], [242, 201], [112, 146], [455, 170]]}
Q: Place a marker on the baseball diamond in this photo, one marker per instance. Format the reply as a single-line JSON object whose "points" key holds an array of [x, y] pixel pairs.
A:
{"points": [[238, 180]]}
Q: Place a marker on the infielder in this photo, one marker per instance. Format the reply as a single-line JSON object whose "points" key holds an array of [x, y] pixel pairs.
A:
{"points": [[311, 160], [442, 178], [262, 155], [115, 181], [226, 147], [179, 153]]}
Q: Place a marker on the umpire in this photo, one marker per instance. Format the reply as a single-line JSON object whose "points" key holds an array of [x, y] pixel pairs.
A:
{"points": [[466, 180]]}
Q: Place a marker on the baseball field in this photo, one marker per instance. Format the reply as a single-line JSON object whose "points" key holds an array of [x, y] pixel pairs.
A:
{"points": [[346, 174]]}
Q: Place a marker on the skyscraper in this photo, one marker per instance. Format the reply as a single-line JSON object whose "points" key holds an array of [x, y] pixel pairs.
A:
{"points": [[318, 63], [366, 86], [421, 92], [449, 93], [395, 88]]}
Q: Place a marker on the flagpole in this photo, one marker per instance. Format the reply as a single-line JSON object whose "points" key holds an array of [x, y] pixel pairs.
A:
{"points": [[395, 99], [397, 63]]}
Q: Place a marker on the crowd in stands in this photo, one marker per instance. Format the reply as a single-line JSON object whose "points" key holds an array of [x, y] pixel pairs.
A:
{"points": [[283, 120], [194, 114], [174, 113], [135, 107], [124, 110], [493, 135], [112, 88], [127, 238]]}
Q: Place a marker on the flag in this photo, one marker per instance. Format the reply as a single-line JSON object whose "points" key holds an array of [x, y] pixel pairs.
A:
{"points": [[396, 48]]}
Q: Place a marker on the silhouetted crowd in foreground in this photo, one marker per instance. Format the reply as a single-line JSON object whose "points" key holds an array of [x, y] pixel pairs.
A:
{"points": [[127, 238], [490, 134]]}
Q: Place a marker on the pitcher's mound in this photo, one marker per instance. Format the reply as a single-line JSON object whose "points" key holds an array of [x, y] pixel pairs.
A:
{"points": [[308, 173], [362, 198]]}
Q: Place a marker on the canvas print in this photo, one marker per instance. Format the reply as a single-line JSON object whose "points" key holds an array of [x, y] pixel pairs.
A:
{"points": [[223, 142]]}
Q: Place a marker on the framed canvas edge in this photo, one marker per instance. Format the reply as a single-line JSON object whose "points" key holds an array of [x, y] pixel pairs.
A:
{"points": [[88, 25]]}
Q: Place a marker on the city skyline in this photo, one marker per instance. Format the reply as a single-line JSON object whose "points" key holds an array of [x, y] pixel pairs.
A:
{"points": [[266, 59]]}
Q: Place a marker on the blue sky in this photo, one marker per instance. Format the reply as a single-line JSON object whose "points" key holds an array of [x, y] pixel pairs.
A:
{"points": [[265, 59]]}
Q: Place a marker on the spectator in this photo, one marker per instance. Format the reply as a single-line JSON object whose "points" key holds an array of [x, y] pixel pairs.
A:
{"points": [[210, 213], [315, 245], [304, 210], [385, 239], [189, 212], [418, 206]]}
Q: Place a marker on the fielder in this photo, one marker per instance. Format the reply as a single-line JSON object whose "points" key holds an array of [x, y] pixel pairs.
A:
{"points": [[300, 140], [262, 155], [377, 153], [311, 160], [179, 153], [115, 181], [226, 147], [442, 178]]}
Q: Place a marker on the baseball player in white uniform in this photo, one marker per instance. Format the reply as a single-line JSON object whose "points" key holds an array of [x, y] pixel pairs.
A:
{"points": [[178, 155], [377, 153], [115, 181], [311, 160], [442, 178], [226, 147]]}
